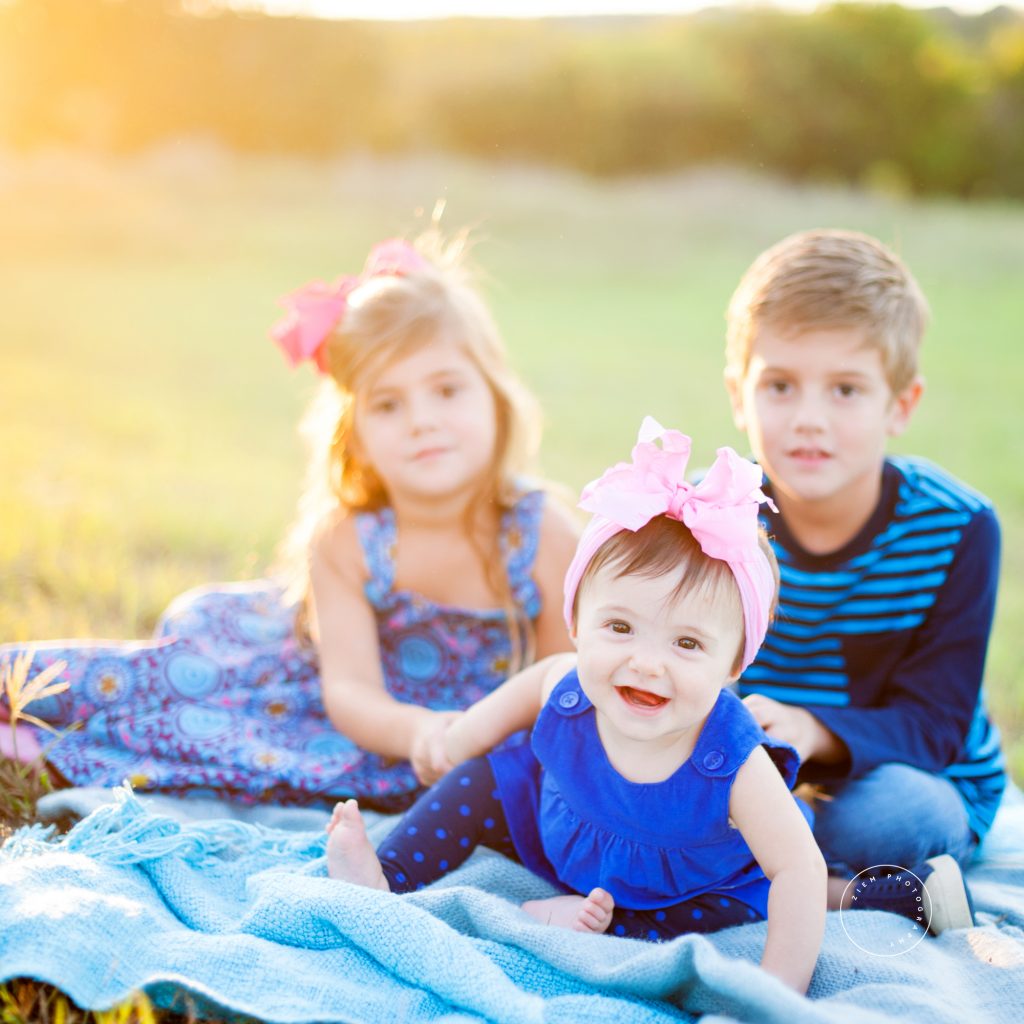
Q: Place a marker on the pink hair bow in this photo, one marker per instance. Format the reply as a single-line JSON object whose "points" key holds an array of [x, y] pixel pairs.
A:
{"points": [[721, 512], [316, 309]]}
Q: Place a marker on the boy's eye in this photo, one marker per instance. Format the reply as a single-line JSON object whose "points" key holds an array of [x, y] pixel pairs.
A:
{"points": [[688, 643]]}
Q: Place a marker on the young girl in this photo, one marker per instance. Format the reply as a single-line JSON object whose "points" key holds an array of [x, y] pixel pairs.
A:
{"points": [[428, 571], [646, 790]]}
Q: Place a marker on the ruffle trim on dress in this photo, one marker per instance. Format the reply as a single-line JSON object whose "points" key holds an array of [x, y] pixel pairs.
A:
{"points": [[640, 875]]}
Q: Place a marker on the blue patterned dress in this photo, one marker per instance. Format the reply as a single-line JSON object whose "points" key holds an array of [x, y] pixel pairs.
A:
{"points": [[224, 701]]}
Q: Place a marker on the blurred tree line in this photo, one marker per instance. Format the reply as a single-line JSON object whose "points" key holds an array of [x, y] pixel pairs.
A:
{"points": [[923, 101]]}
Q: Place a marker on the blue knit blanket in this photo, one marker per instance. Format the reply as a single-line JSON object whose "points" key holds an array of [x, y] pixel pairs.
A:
{"points": [[237, 916]]}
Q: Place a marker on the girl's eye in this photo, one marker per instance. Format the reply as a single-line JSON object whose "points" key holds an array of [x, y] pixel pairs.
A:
{"points": [[688, 643], [619, 627], [777, 387], [847, 390], [449, 390], [385, 405]]}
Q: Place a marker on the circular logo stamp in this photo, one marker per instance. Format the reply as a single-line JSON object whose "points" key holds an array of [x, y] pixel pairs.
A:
{"points": [[886, 887]]}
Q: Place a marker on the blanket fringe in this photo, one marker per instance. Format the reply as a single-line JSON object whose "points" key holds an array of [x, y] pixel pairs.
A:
{"points": [[124, 832]]}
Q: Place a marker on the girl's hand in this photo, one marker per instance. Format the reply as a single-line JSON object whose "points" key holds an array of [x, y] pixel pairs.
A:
{"points": [[444, 739], [428, 754]]}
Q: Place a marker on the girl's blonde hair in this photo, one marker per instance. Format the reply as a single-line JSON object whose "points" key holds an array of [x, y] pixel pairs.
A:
{"points": [[389, 317]]}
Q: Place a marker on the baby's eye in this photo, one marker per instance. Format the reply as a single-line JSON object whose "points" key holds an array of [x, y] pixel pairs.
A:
{"points": [[688, 643], [617, 626]]}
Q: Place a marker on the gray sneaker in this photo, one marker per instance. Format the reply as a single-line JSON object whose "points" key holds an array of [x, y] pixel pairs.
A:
{"points": [[933, 894], [947, 891]]}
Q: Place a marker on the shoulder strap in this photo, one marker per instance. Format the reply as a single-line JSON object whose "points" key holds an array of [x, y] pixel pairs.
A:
{"points": [[730, 734], [520, 534], [377, 537]]}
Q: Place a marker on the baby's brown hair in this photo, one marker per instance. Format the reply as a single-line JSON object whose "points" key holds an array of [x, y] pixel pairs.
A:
{"points": [[664, 546]]}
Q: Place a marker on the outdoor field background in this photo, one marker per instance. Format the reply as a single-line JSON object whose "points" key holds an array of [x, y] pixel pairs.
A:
{"points": [[147, 423]]}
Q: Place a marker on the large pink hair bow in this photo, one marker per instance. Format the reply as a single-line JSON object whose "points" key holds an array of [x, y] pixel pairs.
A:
{"points": [[315, 309], [721, 512]]}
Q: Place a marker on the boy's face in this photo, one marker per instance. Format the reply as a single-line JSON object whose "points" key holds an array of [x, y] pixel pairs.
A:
{"points": [[818, 410]]}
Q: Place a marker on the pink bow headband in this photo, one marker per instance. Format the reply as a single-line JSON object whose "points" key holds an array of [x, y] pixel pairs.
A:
{"points": [[721, 513], [316, 309]]}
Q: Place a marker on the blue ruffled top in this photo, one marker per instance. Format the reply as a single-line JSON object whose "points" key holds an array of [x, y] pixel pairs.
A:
{"points": [[578, 823]]}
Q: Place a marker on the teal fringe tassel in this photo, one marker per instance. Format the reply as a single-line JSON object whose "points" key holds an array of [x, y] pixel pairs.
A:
{"points": [[124, 832]]}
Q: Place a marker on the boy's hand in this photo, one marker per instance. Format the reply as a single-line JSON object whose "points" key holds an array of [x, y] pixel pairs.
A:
{"points": [[797, 727], [429, 755]]}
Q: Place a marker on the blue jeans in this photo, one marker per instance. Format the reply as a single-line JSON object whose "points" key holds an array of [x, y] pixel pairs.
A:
{"points": [[894, 814]]}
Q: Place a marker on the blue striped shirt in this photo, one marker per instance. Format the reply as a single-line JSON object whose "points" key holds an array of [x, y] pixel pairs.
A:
{"points": [[885, 639]]}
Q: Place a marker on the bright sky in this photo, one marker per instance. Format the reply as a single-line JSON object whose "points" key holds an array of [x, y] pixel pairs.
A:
{"points": [[388, 9]]}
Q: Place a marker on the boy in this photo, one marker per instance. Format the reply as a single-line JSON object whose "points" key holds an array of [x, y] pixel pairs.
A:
{"points": [[889, 567]]}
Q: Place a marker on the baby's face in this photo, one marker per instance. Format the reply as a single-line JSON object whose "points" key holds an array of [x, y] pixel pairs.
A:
{"points": [[652, 662]]}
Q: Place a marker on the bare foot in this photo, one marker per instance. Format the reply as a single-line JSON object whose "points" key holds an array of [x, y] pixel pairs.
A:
{"points": [[350, 855], [591, 913]]}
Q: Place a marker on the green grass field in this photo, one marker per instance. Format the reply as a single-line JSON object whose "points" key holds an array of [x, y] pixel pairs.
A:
{"points": [[147, 437]]}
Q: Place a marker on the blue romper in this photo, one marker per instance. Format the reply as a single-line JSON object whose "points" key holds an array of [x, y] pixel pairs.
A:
{"points": [[226, 702], [665, 851], [576, 821]]}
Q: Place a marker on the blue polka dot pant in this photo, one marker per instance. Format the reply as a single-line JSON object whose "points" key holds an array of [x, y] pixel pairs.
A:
{"points": [[462, 811], [446, 824], [709, 912]]}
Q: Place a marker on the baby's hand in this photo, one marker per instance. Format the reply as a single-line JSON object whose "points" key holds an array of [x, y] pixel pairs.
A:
{"points": [[429, 755]]}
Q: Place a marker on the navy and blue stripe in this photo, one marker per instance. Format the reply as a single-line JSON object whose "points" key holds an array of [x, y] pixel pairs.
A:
{"points": [[885, 639]]}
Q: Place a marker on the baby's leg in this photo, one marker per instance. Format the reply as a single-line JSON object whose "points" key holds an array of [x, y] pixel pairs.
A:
{"points": [[435, 836], [709, 912], [350, 856], [590, 913]]}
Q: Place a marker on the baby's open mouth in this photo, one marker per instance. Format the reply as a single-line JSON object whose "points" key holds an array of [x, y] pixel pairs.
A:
{"points": [[641, 698]]}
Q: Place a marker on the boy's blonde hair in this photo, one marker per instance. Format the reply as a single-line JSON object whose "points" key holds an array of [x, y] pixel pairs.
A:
{"points": [[830, 279], [389, 317], [665, 545]]}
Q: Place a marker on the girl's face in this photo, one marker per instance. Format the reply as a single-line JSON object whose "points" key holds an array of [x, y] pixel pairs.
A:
{"points": [[426, 424], [652, 663]]}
